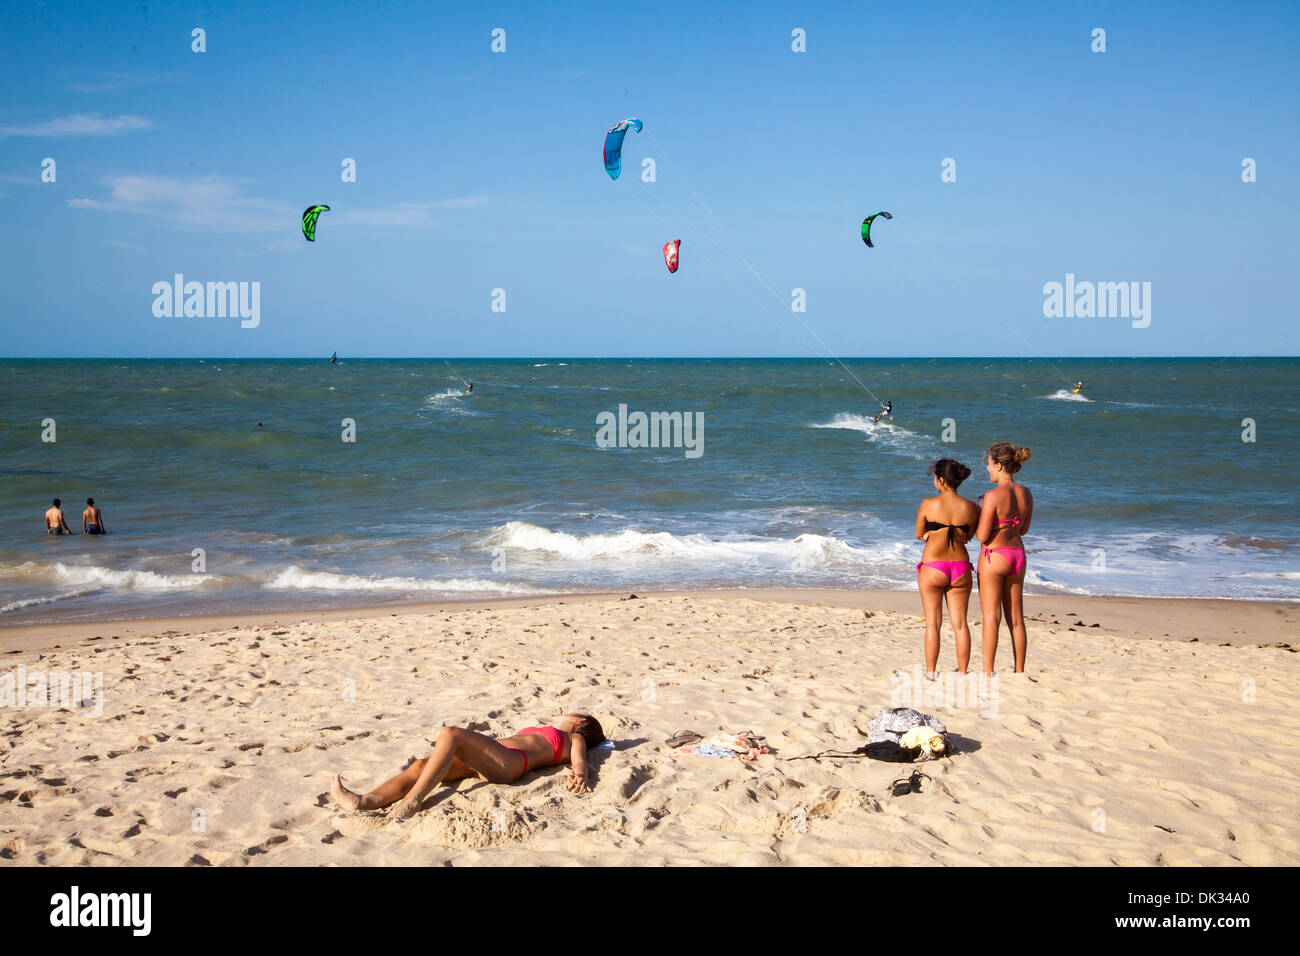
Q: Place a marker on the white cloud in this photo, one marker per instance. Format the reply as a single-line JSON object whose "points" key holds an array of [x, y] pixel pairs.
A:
{"points": [[80, 124], [406, 215], [213, 203], [121, 244], [114, 82], [217, 204]]}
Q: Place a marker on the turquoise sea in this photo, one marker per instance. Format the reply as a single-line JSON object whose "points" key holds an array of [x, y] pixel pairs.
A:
{"points": [[1144, 485]]}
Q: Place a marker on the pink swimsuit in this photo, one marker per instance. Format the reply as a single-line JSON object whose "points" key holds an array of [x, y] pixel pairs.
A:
{"points": [[553, 736], [1013, 556], [956, 570]]}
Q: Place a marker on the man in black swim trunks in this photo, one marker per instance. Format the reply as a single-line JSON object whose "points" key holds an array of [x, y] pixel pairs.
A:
{"points": [[888, 409], [54, 523]]}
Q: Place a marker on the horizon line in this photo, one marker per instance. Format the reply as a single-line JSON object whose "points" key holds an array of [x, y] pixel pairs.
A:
{"points": [[620, 358]]}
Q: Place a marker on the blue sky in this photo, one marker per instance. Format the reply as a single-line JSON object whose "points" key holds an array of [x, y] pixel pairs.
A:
{"points": [[479, 170]]}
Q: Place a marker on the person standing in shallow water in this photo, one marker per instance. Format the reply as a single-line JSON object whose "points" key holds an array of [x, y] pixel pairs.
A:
{"points": [[945, 523], [92, 519], [54, 523], [1004, 520]]}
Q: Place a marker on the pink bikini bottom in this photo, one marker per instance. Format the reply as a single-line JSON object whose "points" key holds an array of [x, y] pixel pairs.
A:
{"points": [[1014, 556], [954, 569]]}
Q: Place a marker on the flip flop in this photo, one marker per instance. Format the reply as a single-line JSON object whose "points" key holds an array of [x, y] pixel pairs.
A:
{"points": [[683, 738], [906, 785]]}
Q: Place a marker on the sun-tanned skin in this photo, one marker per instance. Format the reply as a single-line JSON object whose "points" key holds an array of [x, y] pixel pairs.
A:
{"points": [[1002, 593], [460, 753], [949, 508], [92, 515], [54, 521]]}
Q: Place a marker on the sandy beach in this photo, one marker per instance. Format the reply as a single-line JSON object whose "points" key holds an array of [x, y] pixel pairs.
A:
{"points": [[1147, 732]]}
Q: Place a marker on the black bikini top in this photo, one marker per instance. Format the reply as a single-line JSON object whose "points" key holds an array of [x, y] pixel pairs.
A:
{"points": [[967, 529]]}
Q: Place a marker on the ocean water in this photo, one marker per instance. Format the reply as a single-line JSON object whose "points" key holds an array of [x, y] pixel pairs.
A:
{"points": [[1144, 486]]}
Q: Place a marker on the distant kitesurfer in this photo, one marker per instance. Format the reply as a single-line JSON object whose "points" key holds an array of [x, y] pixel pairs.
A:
{"points": [[887, 408], [92, 519], [1078, 387], [54, 523], [469, 387]]}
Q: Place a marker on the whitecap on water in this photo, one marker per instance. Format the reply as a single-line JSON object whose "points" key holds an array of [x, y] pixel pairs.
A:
{"points": [[888, 436], [1065, 395]]}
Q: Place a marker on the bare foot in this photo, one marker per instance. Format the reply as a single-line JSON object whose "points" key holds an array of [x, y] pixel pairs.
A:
{"points": [[344, 797], [403, 808]]}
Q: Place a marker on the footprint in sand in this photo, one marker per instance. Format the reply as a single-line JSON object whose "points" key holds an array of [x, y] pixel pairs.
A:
{"points": [[637, 778], [266, 846], [292, 823], [100, 845]]}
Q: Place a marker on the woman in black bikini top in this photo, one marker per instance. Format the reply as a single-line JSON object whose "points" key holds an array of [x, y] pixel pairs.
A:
{"points": [[966, 529], [945, 569]]}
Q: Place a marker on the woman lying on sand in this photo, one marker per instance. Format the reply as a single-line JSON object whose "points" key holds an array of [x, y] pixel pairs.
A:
{"points": [[460, 753]]}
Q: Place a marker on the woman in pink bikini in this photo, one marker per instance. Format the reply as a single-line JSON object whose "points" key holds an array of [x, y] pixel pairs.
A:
{"points": [[945, 523], [1003, 521], [460, 753]]}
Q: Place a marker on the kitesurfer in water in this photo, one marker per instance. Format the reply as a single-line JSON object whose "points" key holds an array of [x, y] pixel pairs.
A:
{"points": [[887, 408], [1078, 387]]}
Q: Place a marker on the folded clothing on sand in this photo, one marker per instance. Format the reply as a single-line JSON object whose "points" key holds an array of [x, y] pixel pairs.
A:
{"points": [[745, 746], [900, 734], [893, 722]]}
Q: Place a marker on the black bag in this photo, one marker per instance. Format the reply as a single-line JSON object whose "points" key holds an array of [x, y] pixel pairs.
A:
{"points": [[891, 752]]}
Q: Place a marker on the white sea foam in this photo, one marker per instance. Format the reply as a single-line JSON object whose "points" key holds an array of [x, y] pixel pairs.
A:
{"points": [[632, 546], [1032, 577], [1065, 395], [887, 435], [25, 603], [127, 579], [298, 578]]}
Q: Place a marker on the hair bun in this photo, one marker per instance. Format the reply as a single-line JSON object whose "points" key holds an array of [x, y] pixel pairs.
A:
{"points": [[952, 472], [1022, 455]]}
